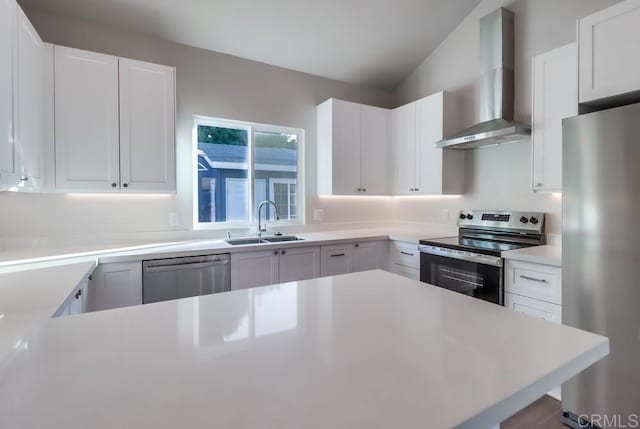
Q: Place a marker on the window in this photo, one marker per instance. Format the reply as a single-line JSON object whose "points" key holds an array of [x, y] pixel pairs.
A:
{"points": [[240, 164]]}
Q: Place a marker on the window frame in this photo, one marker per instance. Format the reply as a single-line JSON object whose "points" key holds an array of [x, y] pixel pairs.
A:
{"points": [[251, 128]]}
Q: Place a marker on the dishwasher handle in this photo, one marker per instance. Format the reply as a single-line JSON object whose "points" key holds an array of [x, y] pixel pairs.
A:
{"points": [[186, 266]]}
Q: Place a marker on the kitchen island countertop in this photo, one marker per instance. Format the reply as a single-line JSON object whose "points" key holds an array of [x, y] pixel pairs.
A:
{"points": [[369, 349]]}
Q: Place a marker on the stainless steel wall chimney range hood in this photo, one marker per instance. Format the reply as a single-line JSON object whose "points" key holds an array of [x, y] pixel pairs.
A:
{"points": [[495, 89]]}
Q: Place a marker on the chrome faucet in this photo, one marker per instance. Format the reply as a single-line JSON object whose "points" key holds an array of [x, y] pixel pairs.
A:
{"points": [[262, 229]]}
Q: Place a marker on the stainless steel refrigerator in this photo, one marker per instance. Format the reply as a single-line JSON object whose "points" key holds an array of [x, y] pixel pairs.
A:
{"points": [[601, 259]]}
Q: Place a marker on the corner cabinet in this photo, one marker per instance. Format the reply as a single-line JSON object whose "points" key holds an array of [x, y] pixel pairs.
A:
{"points": [[421, 168], [555, 97], [114, 123], [115, 285], [609, 52], [353, 149]]}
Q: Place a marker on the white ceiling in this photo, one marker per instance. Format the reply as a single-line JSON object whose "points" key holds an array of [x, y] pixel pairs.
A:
{"points": [[366, 42]]}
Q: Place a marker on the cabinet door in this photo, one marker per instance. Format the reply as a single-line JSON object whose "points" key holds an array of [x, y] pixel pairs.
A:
{"points": [[429, 122], [31, 100], [555, 97], [299, 263], [115, 285], [86, 121], [375, 163], [8, 64], [403, 137], [368, 255], [337, 259], [346, 148], [253, 269], [147, 126], [533, 307], [609, 51]]}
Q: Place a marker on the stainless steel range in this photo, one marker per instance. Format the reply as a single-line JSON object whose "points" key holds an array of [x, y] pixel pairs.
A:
{"points": [[471, 263]]}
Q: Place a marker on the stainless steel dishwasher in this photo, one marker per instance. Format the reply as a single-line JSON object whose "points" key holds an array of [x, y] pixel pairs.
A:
{"points": [[165, 279]]}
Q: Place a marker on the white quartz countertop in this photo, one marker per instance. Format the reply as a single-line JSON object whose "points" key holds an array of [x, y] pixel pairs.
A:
{"points": [[547, 255], [363, 350], [28, 299], [132, 252]]}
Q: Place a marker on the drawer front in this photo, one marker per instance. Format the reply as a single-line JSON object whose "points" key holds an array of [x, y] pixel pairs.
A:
{"points": [[536, 281], [405, 254], [534, 307], [408, 272]]}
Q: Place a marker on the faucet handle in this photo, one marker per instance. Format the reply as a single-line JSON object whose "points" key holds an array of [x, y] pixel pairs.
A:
{"points": [[228, 235]]}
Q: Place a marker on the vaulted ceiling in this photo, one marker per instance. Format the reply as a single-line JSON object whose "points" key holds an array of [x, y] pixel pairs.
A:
{"points": [[374, 43]]}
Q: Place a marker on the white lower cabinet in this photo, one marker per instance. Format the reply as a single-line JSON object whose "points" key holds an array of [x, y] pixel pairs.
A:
{"points": [[337, 259], [115, 285], [534, 307], [77, 302], [299, 263], [536, 290], [352, 257], [404, 259], [266, 267]]}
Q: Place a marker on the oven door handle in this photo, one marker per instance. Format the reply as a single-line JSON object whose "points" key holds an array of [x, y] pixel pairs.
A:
{"points": [[476, 258]]}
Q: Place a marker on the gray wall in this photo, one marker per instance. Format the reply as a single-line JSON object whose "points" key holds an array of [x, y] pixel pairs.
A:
{"points": [[209, 84], [497, 177]]}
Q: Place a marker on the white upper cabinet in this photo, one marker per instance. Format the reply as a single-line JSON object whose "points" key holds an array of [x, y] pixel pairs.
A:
{"points": [[114, 123], [147, 126], [375, 165], [8, 154], [30, 130], [353, 149], [420, 167], [403, 136], [609, 52], [86, 121], [555, 97]]}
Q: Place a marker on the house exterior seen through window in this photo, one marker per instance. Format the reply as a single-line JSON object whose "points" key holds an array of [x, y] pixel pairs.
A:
{"points": [[241, 164]]}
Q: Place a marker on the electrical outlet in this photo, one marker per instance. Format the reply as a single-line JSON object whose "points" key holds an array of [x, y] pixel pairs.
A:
{"points": [[318, 215], [445, 215], [173, 219]]}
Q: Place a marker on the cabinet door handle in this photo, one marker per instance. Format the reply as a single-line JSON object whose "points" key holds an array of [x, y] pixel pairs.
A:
{"points": [[337, 255], [364, 190], [533, 279], [283, 252], [275, 252], [114, 184], [416, 189], [357, 245], [406, 253], [126, 185], [24, 178]]}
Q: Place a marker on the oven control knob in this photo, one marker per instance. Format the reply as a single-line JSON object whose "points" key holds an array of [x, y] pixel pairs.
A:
{"points": [[463, 216], [469, 216], [524, 219], [533, 220]]}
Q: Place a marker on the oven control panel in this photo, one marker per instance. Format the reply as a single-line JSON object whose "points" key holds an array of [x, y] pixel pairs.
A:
{"points": [[508, 220]]}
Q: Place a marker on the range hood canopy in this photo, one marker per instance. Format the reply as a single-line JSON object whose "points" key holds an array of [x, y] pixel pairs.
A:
{"points": [[496, 94]]}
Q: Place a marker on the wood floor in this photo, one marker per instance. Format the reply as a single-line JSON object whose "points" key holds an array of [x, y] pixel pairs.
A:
{"points": [[543, 414]]}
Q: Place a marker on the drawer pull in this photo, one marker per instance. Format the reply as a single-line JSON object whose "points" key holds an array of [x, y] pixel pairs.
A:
{"points": [[406, 253], [337, 255], [533, 279]]}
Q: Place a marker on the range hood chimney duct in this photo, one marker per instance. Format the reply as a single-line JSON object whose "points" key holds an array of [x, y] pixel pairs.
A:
{"points": [[496, 92]]}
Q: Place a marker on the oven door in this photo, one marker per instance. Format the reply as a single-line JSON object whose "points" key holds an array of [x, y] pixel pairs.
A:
{"points": [[469, 273]]}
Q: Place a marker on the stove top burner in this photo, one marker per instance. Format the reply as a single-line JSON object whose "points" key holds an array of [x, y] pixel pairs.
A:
{"points": [[486, 247], [494, 232]]}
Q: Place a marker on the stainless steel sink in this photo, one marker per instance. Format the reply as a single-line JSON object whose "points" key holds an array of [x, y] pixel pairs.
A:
{"points": [[282, 238], [240, 241], [263, 240]]}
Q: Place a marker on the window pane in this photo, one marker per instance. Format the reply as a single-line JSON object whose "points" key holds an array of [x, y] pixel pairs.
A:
{"points": [[223, 171], [276, 162]]}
